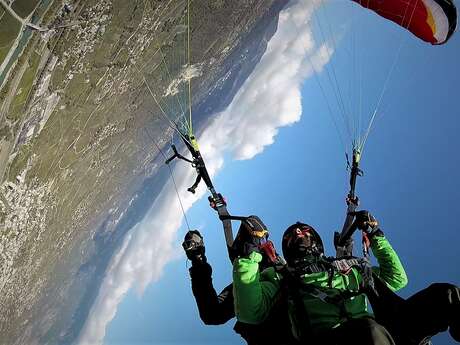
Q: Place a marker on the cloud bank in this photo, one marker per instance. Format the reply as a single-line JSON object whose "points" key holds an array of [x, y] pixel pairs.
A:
{"points": [[269, 99]]}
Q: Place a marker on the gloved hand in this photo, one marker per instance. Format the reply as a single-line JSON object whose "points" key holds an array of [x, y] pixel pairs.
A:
{"points": [[367, 223], [194, 247], [251, 235]]}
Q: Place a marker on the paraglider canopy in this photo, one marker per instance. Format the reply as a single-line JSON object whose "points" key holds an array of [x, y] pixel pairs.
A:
{"points": [[433, 21]]}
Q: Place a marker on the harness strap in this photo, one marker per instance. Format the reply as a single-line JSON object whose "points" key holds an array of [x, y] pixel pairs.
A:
{"points": [[218, 203], [227, 224], [345, 265], [342, 265], [291, 285]]}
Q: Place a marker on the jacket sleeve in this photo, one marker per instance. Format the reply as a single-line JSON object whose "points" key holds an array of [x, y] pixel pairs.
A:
{"points": [[213, 309], [390, 268], [254, 292]]}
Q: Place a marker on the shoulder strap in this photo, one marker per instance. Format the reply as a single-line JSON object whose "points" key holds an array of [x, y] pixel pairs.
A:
{"points": [[290, 284]]}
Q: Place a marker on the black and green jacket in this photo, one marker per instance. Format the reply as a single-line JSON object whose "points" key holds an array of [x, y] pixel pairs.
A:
{"points": [[255, 292], [217, 309]]}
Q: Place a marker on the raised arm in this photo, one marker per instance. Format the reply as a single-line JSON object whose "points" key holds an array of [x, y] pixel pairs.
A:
{"points": [[214, 309], [390, 269], [254, 292]]}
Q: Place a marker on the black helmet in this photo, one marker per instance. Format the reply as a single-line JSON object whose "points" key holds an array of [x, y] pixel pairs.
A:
{"points": [[251, 228], [300, 240]]}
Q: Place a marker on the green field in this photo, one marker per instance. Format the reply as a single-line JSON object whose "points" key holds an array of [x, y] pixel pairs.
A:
{"points": [[9, 30], [17, 106], [24, 7]]}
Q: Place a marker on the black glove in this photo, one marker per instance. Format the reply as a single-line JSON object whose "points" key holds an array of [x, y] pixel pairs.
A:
{"points": [[194, 247], [367, 223], [251, 235]]}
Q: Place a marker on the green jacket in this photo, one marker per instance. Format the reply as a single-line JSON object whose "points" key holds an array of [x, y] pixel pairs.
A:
{"points": [[255, 292]]}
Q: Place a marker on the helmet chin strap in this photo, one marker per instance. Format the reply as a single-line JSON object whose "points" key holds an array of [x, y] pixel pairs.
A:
{"points": [[307, 246], [309, 263], [304, 253]]}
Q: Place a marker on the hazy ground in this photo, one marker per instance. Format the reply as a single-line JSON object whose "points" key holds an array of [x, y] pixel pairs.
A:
{"points": [[79, 132]]}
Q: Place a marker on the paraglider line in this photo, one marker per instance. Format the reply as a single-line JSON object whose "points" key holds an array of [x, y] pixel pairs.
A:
{"points": [[173, 180], [170, 77], [331, 113], [188, 65], [382, 95], [171, 124], [390, 74], [334, 83]]}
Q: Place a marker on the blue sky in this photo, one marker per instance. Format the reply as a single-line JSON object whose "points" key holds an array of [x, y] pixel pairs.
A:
{"points": [[410, 184]]}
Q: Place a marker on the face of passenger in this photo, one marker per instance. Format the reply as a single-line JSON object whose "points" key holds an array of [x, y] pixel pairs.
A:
{"points": [[299, 241]]}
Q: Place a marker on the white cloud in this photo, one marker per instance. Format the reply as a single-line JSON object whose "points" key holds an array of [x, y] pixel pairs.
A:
{"points": [[271, 97], [268, 100], [145, 251]]}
